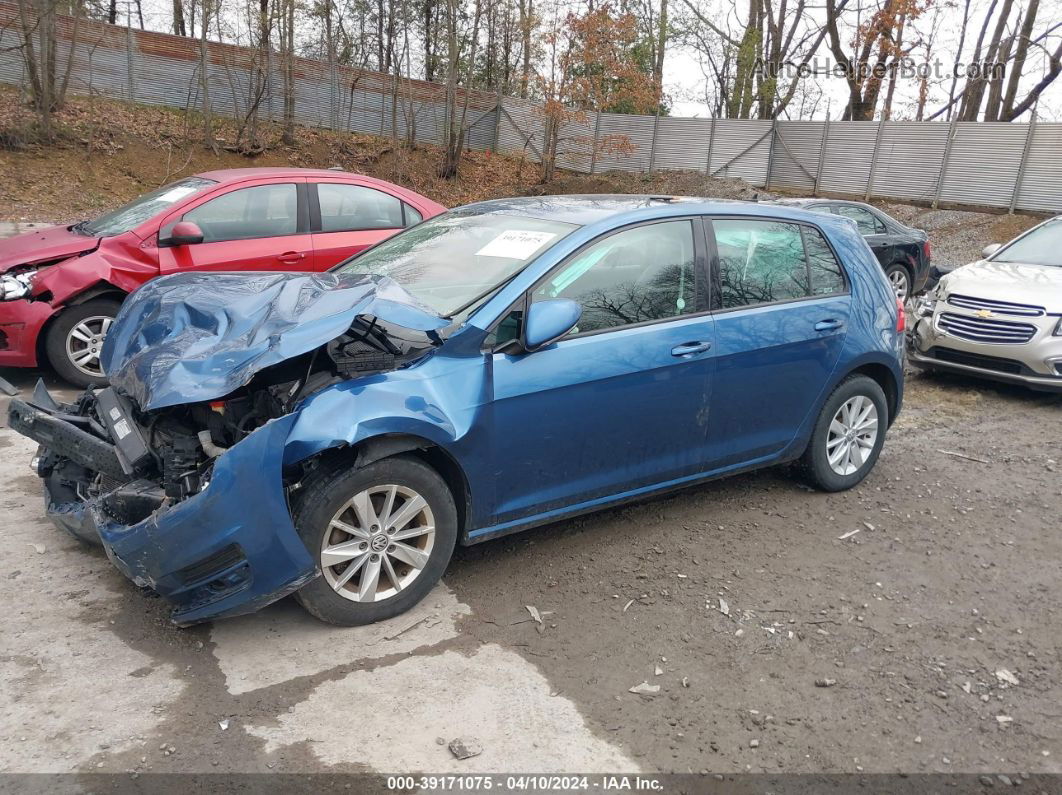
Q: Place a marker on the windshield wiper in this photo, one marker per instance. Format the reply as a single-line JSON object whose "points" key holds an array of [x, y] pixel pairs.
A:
{"points": [[81, 228]]}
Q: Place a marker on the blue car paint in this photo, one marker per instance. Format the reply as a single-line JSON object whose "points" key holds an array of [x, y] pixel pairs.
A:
{"points": [[244, 505], [515, 425]]}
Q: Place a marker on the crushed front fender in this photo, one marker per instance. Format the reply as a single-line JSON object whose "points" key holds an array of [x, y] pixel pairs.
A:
{"points": [[228, 550]]}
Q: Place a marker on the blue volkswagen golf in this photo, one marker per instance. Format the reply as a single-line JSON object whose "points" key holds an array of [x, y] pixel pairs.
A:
{"points": [[501, 366]]}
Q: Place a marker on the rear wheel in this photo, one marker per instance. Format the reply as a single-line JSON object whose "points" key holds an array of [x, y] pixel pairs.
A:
{"points": [[900, 280], [848, 435], [75, 341], [381, 535]]}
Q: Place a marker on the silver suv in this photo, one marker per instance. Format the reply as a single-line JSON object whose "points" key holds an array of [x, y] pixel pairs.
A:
{"points": [[999, 317]]}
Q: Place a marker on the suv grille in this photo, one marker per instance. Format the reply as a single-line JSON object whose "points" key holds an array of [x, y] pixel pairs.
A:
{"points": [[1000, 307], [978, 329]]}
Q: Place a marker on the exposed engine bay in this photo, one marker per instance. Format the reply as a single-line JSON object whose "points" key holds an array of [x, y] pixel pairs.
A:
{"points": [[127, 463]]}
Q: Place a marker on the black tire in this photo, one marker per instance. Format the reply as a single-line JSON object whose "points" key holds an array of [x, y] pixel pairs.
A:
{"points": [[55, 343], [323, 498], [815, 462], [893, 274]]}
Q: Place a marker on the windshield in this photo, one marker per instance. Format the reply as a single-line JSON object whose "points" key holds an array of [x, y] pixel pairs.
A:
{"points": [[142, 208], [1041, 246], [456, 258]]}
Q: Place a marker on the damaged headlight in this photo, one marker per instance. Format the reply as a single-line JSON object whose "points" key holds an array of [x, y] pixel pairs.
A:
{"points": [[926, 305], [15, 286]]}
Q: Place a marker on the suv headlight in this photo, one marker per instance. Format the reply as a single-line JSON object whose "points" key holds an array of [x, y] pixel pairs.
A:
{"points": [[926, 305]]}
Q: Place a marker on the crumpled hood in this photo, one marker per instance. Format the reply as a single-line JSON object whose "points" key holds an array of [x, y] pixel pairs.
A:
{"points": [[192, 337], [1040, 285], [43, 245]]}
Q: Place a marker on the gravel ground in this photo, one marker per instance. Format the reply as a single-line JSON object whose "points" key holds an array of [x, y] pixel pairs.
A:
{"points": [[908, 625]]}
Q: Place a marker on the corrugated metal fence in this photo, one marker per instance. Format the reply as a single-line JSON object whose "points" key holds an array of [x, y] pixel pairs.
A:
{"points": [[1013, 166]]}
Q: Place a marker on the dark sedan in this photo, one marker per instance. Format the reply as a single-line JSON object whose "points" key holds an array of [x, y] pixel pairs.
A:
{"points": [[902, 251]]}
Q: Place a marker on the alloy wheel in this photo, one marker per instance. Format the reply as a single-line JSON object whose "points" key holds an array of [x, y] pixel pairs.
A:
{"points": [[378, 543], [84, 344], [852, 435], [900, 283]]}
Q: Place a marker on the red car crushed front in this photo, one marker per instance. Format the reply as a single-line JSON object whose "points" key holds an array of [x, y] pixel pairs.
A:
{"points": [[61, 287]]}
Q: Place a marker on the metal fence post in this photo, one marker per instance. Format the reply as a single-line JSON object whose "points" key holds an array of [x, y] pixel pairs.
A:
{"points": [[952, 128], [497, 122], [770, 154], [652, 148], [130, 71], [1024, 162], [593, 146], [822, 155], [874, 160], [711, 142]]}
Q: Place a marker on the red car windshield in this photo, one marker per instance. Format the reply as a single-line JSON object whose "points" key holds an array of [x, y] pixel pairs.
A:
{"points": [[141, 208]]}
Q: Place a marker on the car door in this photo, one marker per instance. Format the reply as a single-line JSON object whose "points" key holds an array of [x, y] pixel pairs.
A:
{"points": [[262, 226], [348, 218], [622, 401], [782, 308]]}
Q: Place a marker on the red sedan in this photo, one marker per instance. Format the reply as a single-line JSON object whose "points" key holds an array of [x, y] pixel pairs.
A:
{"points": [[61, 287]]}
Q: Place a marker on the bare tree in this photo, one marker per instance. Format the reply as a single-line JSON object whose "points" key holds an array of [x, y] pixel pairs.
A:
{"points": [[38, 46]]}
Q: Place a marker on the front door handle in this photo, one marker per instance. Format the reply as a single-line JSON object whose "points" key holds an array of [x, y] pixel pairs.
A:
{"points": [[291, 257], [690, 348], [829, 324]]}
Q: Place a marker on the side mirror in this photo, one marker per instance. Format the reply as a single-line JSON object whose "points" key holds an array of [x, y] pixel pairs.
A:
{"points": [[184, 233], [548, 321], [991, 249]]}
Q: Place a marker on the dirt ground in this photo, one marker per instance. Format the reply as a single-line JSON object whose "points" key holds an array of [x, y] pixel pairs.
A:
{"points": [[933, 621], [909, 625]]}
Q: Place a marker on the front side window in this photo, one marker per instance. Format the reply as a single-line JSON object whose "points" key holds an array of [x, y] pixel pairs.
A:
{"points": [[346, 208], [640, 274], [247, 213], [867, 222], [143, 207], [760, 262]]}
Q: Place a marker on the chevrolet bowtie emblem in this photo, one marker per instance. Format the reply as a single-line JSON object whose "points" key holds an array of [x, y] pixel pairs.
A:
{"points": [[984, 313]]}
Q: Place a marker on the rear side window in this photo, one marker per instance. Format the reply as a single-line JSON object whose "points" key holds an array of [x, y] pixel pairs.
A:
{"points": [[763, 262], [826, 274], [346, 208], [868, 223], [260, 211], [760, 262], [413, 216]]}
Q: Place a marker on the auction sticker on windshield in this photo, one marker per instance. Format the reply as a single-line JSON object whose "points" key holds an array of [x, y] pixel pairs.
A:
{"points": [[516, 244]]}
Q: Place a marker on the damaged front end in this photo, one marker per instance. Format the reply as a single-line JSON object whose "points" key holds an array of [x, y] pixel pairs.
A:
{"points": [[177, 467]]}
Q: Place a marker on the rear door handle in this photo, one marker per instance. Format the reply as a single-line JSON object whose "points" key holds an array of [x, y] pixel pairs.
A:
{"points": [[690, 348], [289, 257], [829, 325]]}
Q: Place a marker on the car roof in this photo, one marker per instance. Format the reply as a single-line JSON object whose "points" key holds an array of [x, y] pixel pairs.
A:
{"points": [[240, 174], [590, 209]]}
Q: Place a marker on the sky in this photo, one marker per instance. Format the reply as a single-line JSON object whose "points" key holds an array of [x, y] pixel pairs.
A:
{"points": [[684, 81]]}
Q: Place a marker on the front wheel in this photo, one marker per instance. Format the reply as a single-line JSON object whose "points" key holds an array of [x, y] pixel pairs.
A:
{"points": [[848, 435], [381, 536], [75, 341]]}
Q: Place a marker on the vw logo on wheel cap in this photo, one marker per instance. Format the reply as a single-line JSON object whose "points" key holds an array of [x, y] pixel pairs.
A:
{"points": [[378, 543]]}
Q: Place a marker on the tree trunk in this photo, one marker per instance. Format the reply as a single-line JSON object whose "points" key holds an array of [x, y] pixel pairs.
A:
{"points": [[178, 18], [204, 78]]}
